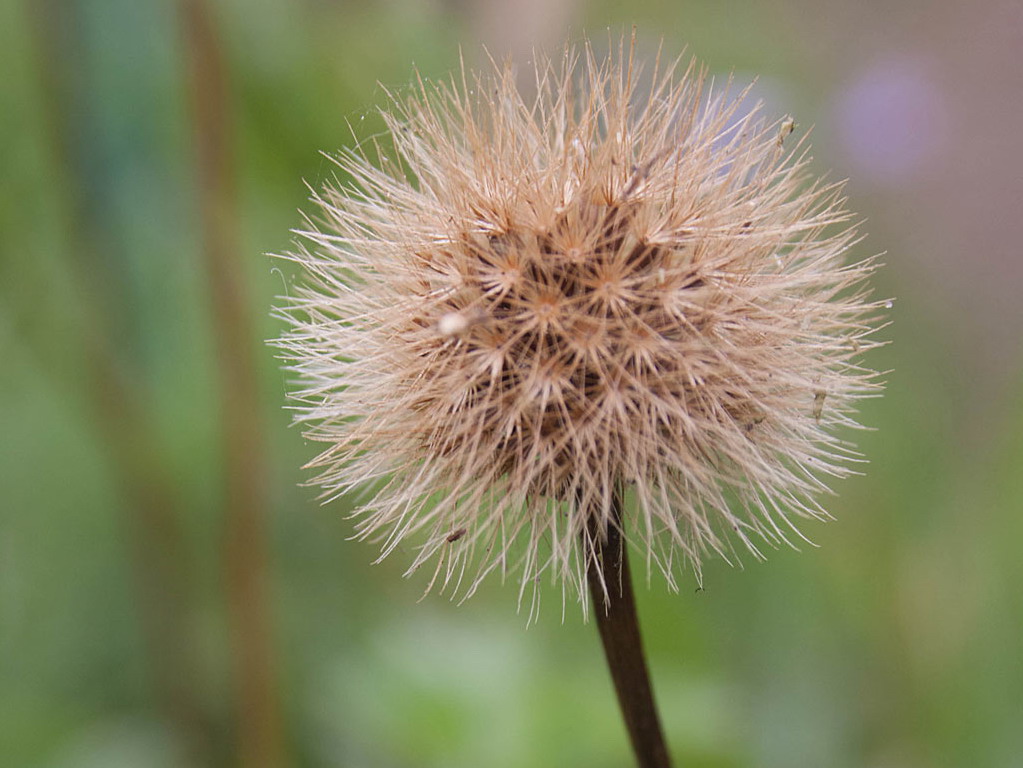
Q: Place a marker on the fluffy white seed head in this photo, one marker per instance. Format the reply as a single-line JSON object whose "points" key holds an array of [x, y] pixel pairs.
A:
{"points": [[510, 309]]}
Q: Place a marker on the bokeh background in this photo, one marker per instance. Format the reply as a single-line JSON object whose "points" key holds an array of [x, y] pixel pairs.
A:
{"points": [[170, 595]]}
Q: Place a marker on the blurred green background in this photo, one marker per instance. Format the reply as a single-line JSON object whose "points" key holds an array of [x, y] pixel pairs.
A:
{"points": [[171, 596]]}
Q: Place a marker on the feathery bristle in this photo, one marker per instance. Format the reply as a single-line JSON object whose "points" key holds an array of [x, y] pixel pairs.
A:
{"points": [[517, 308]]}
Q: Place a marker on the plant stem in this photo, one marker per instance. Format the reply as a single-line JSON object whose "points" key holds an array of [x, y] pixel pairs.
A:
{"points": [[615, 608], [261, 740]]}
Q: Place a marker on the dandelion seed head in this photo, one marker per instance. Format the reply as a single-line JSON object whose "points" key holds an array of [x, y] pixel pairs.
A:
{"points": [[621, 283]]}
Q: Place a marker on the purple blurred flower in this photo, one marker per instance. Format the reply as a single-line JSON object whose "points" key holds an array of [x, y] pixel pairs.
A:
{"points": [[892, 120]]}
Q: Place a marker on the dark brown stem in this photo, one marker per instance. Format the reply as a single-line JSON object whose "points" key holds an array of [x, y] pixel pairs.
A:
{"points": [[614, 605]]}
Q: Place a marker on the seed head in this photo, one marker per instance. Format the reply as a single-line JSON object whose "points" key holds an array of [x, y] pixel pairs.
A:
{"points": [[515, 308]]}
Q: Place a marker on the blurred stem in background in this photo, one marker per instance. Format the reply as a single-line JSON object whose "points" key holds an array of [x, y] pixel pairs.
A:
{"points": [[152, 504], [260, 734]]}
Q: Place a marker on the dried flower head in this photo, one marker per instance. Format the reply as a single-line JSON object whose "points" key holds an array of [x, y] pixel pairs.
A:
{"points": [[517, 308]]}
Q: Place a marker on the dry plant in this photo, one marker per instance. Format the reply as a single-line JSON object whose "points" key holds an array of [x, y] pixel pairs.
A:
{"points": [[616, 315]]}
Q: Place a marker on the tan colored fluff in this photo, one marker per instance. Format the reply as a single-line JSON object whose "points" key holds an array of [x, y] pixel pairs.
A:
{"points": [[516, 307]]}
